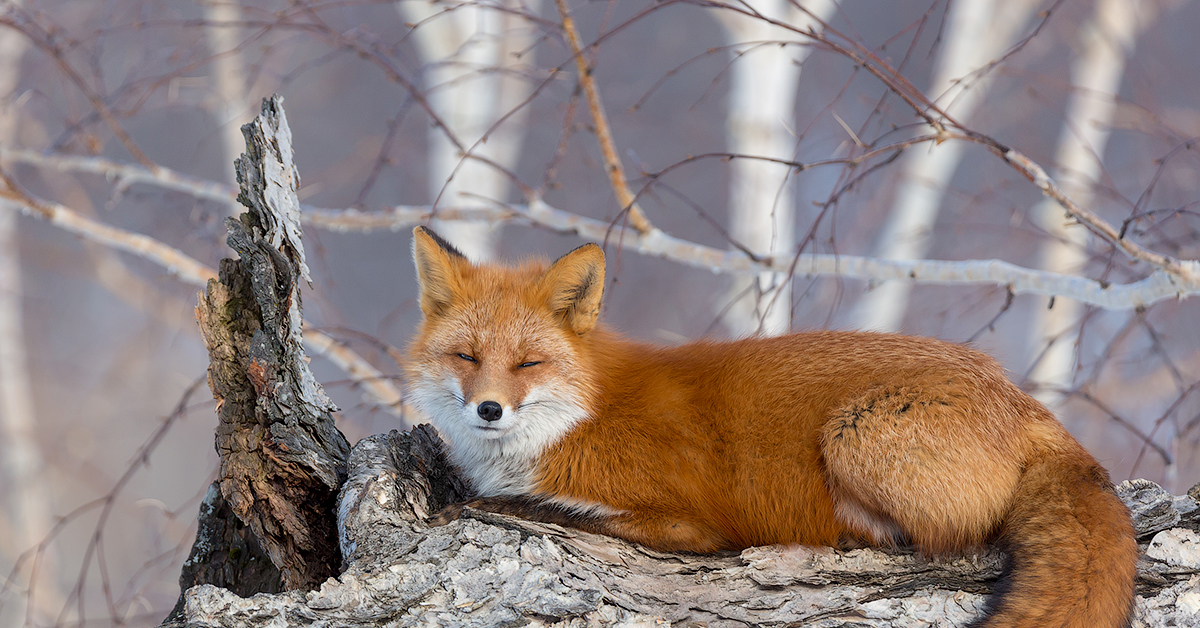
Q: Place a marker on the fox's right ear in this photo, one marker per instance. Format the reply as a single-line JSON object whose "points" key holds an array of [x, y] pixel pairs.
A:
{"points": [[438, 273]]}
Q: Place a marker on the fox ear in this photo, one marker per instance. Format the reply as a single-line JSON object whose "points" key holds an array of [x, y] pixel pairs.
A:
{"points": [[437, 270], [575, 283]]}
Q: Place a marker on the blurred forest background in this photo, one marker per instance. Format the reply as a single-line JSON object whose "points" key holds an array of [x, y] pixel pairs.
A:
{"points": [[798, 154]]}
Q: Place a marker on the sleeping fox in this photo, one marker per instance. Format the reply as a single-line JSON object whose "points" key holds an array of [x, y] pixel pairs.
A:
{"points": [[819, 438]]}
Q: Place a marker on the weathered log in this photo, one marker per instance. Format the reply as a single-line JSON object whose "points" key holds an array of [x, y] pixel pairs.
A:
{"points": [[493, 570]]}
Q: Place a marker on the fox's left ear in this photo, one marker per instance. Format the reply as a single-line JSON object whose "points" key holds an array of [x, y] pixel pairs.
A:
{"points": [[575, 283]]}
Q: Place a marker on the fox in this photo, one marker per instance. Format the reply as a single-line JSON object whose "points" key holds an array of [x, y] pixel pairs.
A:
{"points": [[820, 438]]}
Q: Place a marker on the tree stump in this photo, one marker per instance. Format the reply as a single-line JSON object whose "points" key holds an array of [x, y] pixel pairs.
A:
{"points": [[282, 458]]}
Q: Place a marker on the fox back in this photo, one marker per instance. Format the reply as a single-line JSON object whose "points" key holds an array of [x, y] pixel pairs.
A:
{"points": [[820, 438]]}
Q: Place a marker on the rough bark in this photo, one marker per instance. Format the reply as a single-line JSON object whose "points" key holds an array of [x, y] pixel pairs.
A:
{"points": [[493, 570], [282, 458], [226, 555]]}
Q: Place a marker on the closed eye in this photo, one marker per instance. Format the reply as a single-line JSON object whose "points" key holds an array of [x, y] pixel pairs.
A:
{"points": [[528, 364], [468, 358]]}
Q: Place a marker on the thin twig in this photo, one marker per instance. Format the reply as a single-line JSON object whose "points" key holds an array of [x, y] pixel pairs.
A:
{"points": [[189, 270], [991, 325], [95, 546], [1186, 269], [45, 42], [1146, 439], [369, 378], [608, 148]]}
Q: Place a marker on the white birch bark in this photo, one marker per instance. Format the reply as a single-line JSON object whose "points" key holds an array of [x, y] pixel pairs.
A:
{"points": [[23, 486], [231, 108], [1107, 41], [764, 78], [472, 80], [976, 32]]}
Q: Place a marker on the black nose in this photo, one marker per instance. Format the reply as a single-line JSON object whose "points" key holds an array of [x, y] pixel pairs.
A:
{"points": [[490, 411]]}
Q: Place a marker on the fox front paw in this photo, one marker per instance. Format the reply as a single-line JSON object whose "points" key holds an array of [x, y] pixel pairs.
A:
{"points": [[446, 515]]}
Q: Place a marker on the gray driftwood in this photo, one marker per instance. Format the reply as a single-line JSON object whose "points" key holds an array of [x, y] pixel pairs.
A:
{"points": [[494, 570]]}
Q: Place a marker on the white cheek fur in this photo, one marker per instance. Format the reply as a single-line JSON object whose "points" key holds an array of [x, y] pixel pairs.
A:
{"points": [[500, 460]]}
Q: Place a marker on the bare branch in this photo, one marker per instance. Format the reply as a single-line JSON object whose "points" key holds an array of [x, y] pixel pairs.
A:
{"points": [[172, 259], [1188, 270], [186, 268], [1158, 286], [123, 175], [612, 163], [372, 381], [1174, 278]]}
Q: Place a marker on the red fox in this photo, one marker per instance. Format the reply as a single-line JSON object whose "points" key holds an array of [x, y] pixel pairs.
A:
{"points": [[820, 438]]}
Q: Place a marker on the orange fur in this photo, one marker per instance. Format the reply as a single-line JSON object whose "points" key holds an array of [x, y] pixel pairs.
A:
{"points": [[821, 438]]}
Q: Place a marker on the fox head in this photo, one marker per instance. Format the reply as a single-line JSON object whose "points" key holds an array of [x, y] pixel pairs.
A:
{"points": [[499, 361]]}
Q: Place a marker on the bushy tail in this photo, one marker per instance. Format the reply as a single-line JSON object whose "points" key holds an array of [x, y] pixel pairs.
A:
{"points": [[1072, 556]]}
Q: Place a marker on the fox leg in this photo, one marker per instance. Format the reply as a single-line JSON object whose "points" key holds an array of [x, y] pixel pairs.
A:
{"points": [[908, 465], [659, 532], [525, 507]]}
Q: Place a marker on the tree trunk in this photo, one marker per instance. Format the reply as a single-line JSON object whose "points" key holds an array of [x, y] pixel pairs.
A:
{"points": [[1096, 72], [473, 78], [977, 32], [25, 495], [764, 77], [231, 108]]}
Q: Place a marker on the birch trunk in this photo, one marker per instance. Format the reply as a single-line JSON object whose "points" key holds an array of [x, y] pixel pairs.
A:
{"points": [[1108, 40], [764, 78], [470, 51], [23, 486], [232, 108], [976, 32]]}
